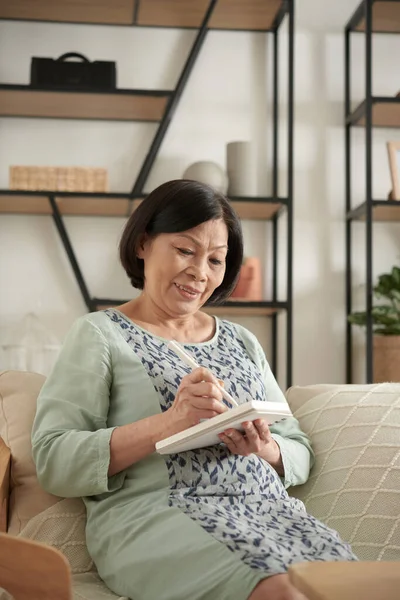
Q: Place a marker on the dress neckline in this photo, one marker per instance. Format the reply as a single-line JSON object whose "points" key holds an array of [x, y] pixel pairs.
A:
{"points": [[163, 339]]}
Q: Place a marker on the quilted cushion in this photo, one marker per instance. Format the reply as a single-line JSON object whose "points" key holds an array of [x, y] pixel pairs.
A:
{"points": [[354, 485], [18, 394], [63, 527]]}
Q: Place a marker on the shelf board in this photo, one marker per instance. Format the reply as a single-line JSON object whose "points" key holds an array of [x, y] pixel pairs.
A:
{"points": [[229, 308], [385, 113], [254, 15], [121, 105], [115, 205], [382, 210], [253, 208], [70, 204], [102, 12], [385, 17], [237, 308], [257, 15]]}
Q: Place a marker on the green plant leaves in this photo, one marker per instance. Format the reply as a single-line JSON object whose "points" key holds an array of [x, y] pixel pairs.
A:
{"points": [[385, 317]]}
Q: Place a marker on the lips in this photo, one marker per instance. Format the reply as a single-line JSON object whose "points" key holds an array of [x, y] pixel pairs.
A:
{"points": [[188, 289]]}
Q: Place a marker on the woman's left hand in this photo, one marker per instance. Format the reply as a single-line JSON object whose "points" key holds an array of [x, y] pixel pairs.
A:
{"points": [[256, 439]]}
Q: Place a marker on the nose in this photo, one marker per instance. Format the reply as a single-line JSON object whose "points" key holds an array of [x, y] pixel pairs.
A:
{"points": [[198, 269]]}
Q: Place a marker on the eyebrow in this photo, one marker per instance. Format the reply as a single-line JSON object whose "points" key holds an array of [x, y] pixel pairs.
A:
{"points": [[198, 243]]}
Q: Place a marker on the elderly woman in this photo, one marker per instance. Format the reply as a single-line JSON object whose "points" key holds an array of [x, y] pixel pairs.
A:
{"points": [[208, 524]]}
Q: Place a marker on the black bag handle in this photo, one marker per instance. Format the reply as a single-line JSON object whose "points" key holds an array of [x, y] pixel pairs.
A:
{"points": [[73, 55]]}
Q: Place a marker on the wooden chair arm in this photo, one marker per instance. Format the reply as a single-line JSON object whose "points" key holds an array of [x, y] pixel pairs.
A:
{"points": [[5, 464], [33, 571], [347, 580]]}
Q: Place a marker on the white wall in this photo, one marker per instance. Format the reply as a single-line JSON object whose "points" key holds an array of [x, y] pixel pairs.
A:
{"points": [[227, 98]]}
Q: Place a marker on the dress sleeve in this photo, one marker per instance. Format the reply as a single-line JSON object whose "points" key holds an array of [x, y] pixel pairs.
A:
{"points": [[70, 437], [296, 451]]}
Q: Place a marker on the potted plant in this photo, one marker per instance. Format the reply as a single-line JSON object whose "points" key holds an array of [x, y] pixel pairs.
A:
{"points": [[386, 326]]}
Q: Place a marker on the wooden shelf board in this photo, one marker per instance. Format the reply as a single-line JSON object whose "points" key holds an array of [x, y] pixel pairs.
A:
{"points": [[257, 209], [110, 12], [109, 205], [382, 210], [240, 310], [76, 205], [26, 102], [385, 113], [228, 14], [385, 17]]}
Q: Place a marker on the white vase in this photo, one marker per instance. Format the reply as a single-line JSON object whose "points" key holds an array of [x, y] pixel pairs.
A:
{"points": [[241, 168], [209, 173]]}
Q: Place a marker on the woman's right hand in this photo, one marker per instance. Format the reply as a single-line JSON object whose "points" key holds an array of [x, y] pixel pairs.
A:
{"points": [[198, 397]]}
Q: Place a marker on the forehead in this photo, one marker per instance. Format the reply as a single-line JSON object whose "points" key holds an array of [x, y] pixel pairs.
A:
{"points": [[214, 231]]}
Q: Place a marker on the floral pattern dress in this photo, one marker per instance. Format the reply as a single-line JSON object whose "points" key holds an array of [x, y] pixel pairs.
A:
{"points": [[239, 500]]}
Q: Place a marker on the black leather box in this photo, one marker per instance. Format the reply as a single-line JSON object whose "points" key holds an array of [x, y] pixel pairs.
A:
{"points": [[74, 75]]}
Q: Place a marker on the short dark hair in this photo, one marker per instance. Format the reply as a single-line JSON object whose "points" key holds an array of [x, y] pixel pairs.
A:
{"points": [[177, 206]]}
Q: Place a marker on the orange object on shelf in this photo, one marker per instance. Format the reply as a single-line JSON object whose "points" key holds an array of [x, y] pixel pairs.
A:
{"points": [[249, 286]]}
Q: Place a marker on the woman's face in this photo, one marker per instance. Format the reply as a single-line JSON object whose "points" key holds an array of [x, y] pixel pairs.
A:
{"points": [[182, 270]]}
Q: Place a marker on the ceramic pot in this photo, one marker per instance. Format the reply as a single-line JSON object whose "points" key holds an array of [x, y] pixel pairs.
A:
{"points": [[209, 173], [241, 168]]}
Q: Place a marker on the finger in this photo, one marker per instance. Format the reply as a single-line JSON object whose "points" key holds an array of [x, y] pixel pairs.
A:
{"points": [[251, 432], [228, 443], [236, 442], [205, 388], [263, 430], [236, 437], [207, 403], [201, 374]]}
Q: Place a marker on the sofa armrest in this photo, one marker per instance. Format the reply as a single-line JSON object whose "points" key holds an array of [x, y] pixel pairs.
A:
{"points": [[5, 463], [33, 571], [347, 580]]}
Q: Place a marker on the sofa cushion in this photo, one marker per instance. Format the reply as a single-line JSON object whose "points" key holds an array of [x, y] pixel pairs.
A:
{"points": [[354, 485], [62, 526], [18, 394]]}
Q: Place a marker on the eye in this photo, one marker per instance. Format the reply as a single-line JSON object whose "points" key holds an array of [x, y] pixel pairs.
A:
{"points": [[185, 251], [215, 261]]}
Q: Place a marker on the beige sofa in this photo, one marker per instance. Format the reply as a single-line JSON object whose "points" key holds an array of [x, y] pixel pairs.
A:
{"points": [[354, 487]]}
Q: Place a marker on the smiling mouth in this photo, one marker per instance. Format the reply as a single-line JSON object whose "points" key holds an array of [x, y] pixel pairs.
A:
{"points": [[188, 291]]}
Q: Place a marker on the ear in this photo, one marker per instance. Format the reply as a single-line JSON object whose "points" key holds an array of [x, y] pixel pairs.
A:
{"points": [[142, 246]]}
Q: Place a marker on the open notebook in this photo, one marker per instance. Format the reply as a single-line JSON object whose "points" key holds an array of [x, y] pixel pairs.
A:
{"points": [[206, 433]]}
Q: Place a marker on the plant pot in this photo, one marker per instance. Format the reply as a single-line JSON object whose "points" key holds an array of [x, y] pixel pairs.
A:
{"points": [[249, 286], [386, 358]]}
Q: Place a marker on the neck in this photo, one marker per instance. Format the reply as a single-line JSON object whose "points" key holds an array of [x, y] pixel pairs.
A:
{"points": [[179, 327]]}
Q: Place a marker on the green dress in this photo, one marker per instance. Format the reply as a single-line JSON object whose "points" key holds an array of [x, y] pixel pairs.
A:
{"points": [[198, 525]]}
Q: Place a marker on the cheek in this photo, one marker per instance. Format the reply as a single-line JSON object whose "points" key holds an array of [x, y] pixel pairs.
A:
{"points": [[219, 277]]}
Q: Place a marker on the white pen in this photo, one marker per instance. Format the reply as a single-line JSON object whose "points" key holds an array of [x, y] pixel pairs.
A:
{"points": [[193, 364]]}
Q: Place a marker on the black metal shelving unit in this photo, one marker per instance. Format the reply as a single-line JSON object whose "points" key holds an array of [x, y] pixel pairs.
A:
{"points": [[370, 18], [157, 106]]}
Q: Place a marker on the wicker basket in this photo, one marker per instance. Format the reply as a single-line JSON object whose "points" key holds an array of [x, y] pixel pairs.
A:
{"points": [[59, 179]]}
